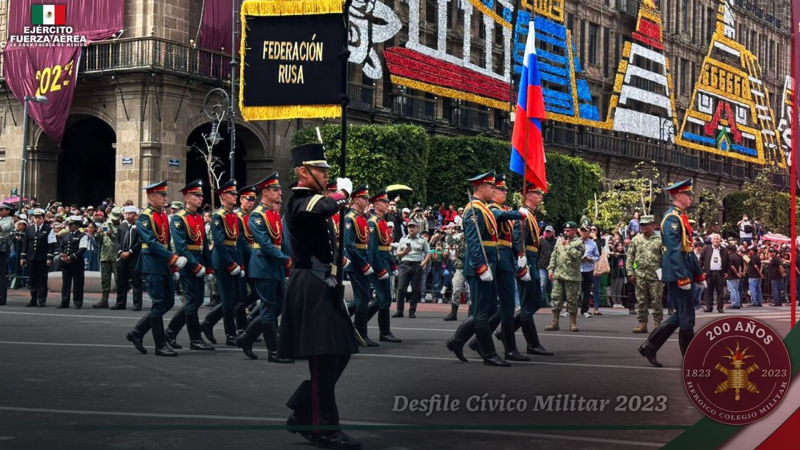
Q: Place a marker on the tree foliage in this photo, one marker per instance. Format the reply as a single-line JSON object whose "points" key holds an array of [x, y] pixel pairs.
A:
{"points": [[709, 207], [621, 198]]}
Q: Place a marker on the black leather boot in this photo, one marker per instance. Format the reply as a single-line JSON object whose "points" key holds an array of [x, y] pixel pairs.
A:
{"points": [[139, 330], [241, 319], [159, 337], [534, 347], [195, 337], [372, 309], [245, 340], [510, 343], [229, 324], [684, 339], [360, 322], [484, 337], [338, 441], [456, 343], [174, 327], [270, 330], [498, 334], [654, 342], [385, 334], [211, 319], [494, 321], [453, 313]]}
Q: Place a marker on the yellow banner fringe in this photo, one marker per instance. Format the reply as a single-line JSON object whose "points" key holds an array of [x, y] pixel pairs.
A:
{"points": [[291, 7], [290, 112]]}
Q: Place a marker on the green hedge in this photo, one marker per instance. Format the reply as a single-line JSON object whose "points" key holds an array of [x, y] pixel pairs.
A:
{"points": [[780, 212]]}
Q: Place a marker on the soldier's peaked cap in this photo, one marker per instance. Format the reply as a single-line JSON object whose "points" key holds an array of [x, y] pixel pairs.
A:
{"points": [[229, 187], [684, 186], [269, 182], [361, 191], [248, 190], [309, 155], [195, 187], [160, 187], [487, 177], [381, 196], [500, 181]]}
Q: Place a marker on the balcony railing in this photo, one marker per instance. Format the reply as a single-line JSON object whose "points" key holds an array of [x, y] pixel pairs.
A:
{"points": [[151, 54], [471, 119], [412, 107], [362, 96]]}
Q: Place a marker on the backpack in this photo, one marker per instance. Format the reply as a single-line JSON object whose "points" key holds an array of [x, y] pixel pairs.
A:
{"points": [[748, 228]]}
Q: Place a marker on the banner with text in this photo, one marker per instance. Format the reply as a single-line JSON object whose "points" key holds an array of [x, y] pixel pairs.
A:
{"points": [[291, 59]]}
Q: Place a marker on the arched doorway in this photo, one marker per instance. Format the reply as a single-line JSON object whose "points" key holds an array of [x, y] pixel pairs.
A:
{"points": [[196, 167], [86, 169]]}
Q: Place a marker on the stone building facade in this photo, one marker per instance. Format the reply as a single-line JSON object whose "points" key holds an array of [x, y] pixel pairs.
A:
{"points": [[138, 105]]}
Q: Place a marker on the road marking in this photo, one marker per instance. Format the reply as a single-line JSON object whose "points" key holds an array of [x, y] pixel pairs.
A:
{"points": [[6, 438], [358, 355], [344, 422]]}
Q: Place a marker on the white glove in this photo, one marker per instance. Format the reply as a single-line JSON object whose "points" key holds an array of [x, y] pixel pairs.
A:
{"points": [[176, 276], [524, 211], [241, 274], [522, 261], [181, 261], [346, 263], [487, 276], [235, 271], [201, 272], [384, 276], [703, 284], [395, 273], [527, 276], [369, 271], [344, 184], [444, 289], [686, 287]]}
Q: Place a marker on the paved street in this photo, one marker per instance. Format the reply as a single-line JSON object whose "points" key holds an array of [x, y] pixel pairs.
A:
{"points": [[72, 381]]}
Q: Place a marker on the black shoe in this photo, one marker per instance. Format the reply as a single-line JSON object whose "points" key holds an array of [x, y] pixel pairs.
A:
{"points": [[31, 304], [79, 306], [199, 345], [370, 342], [208, 332], [708, 310], [137, 307], [389, 337], [136, 340], [273, 358], [453, 314], [170, 336], [515, 356], [720, 310], [292, 421], [457, 348], [165, 351], [41, 305], [230, 340], [397, 314], [118, 306], [244, 343], [411, 315], [538, 350], [649, 352], [61, 306], [338, 441], [483, 340], [473, 345]]}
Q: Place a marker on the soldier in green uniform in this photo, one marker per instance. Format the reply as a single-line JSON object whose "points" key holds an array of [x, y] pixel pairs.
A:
{"points": [[644, 259], [680, 271], [480, 269], [356, 241], [565, 273], [108, 256], [457, 243]]}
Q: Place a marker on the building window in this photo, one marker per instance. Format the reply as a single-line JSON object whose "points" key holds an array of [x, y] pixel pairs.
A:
{"points": [[606, 48], [684, 76], [571, 24], [593, 29], [711, 23], [684, 16]]}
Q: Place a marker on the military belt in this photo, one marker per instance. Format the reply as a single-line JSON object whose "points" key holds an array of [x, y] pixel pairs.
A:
{"points": [[257, 246], [147, 246], [502, 242], [361, 246], [384, 248], [194, 247], [531, 248], [231, 243], [489, 243]]}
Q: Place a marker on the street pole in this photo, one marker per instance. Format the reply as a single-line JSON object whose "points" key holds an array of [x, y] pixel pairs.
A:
{"points": [[232, 102], [24, 150], [343, 150]]}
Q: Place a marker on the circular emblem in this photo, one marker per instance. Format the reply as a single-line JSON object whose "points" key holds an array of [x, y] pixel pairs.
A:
{"points": [[736, 370]]}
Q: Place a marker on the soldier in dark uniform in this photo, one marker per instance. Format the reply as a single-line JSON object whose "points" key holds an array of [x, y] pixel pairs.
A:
{"points": [[315, 324], [227, 260], [380, 258], [160, 267], [247, 201], [73, 246], [507, 266], [356, 240], [189, 239], [268, 267], [679, 270], [127, 259], [480, 269], [38, 246]]}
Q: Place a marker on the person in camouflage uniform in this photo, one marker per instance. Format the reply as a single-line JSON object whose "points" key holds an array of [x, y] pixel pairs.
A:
{"points": [[644, 258], [108, 256], [456, 241], [565, 272]]}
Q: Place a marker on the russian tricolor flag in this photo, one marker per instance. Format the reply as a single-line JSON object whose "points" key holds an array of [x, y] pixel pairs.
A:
{"points": [[527, 145]]}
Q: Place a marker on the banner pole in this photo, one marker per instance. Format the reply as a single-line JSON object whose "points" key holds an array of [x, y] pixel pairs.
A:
{"points": [[793, 168], [343, 152], [232, 102]]}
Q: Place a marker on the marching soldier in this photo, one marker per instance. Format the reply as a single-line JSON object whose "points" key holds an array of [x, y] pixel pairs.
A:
{"points": [[189, 239], [356, 240], [247, 200], [226, 258], [331, 189], [679, 270], [644, 258], [38, 246], [129, 249], [160, 267], [480, 268], [528, 276], [73, 246], [268, 267], [380, 259], [507, 267], [315, 325], [6, 229], [565, 273]]}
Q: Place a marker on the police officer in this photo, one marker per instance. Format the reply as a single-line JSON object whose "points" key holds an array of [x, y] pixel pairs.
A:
{"points": [[480, 269], [315, 324], [644, 258], [6, 229], [73, 246], [680, 270], [526, 232], [507, 266], [380, 258], [227, 261], [189, 240], [38, 246], [268, 267], [356, 241], [160, 267], [247, 201], [565, 273]]}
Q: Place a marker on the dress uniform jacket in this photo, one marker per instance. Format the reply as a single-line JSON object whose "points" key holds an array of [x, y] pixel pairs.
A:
{"points": [[156, 257], [531, 243], [268, 260], [189, 240], [38, 246], [313, 322], [484, 235], [679, 263], [379, 250], [356, 242], [244, 226], [74, 245], [506, 260], [128, 241], [228, 241]]}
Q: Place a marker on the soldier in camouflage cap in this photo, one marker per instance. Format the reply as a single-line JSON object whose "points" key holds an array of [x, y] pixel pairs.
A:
{"points": [[644, 258], [565, 272]]}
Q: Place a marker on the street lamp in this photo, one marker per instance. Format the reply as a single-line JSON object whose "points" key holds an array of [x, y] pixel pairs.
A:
{"points": [[28, 98]]}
